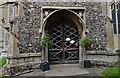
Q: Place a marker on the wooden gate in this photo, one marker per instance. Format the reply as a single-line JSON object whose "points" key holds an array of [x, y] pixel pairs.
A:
{"points": [[65, 42]]}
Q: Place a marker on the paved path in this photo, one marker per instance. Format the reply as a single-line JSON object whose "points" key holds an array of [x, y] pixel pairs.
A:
{"points": [[65, 71]]}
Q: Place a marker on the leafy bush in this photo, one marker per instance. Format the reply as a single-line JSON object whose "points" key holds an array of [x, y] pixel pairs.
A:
{"points": [[85, 42], [118, 52], [2, 62], [45, 41]]}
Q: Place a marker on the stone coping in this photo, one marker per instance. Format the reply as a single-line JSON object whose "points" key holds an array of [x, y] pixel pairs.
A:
{"points": [[101, 53], [25, 55]]}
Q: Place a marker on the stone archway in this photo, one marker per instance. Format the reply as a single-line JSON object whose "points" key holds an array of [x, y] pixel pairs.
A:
{"points": [[65, 30]]}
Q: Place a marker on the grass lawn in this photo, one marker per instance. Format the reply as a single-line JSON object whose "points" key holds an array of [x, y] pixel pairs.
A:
{"points": [[113, 72], [2, 62]]}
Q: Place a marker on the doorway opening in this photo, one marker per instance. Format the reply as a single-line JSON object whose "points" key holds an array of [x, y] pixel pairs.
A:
{"points": [[65, 31]]}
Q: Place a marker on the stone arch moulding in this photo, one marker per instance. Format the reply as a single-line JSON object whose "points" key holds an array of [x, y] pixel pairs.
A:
{"points": [[76, 17], [68, 9]]}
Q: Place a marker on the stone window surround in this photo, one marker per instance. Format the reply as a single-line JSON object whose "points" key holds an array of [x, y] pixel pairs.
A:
{"points": [[115, 6]]}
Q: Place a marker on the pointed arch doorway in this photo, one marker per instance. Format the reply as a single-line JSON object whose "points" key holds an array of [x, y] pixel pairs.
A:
{"points": [[64, 31]]}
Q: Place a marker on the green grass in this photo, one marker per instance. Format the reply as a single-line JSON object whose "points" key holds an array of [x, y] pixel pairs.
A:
{"points": [[113, 72], [2, 62]]}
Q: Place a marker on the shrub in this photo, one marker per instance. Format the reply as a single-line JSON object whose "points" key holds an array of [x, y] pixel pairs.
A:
{"points": [[2, 62], [85, 42], [45, 41], [118, 52]]}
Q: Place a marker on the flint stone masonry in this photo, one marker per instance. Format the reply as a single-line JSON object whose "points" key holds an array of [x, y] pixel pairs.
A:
{"points": [[30, 24], [29, 35], [102, 58]]}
